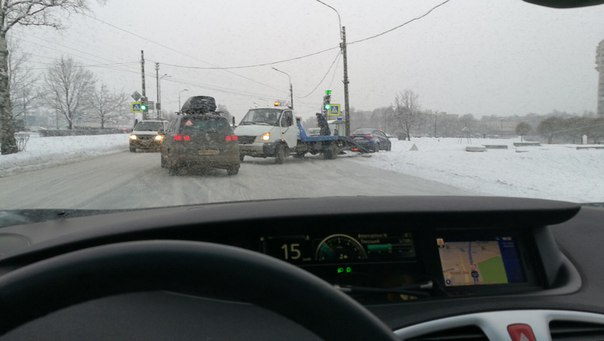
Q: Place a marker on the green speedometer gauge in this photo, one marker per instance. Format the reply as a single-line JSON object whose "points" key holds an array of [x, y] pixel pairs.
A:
{"points": [[340, 248]]}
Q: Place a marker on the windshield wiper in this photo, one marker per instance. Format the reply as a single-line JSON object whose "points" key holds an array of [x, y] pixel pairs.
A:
{"points": [[418, 290]]}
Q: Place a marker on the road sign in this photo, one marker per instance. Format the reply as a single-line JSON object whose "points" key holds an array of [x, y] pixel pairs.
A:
{"points": [[136, 96], [334, 110], [135, 107]]}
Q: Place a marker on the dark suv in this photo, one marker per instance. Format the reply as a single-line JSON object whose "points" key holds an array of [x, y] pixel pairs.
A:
{"points": [[199, 136]]}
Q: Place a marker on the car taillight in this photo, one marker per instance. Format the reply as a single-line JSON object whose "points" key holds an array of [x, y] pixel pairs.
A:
{"points": [[179, 137], [231, 138]]}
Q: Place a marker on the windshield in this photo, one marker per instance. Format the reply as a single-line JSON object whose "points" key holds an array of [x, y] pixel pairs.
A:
{"points": [[474, 98], [262, 116], [148, 126], [193, 125]]}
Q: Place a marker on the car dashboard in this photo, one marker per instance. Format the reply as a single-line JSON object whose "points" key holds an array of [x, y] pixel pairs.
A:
{"points": [[428, 267]]}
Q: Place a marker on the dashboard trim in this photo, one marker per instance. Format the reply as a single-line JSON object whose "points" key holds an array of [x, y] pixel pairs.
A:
{"points": [[494, 324]]}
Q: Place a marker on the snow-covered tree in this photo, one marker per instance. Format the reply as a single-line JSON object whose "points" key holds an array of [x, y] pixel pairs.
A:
{"points": [[107, 105], [24, 13], [406, 108], [69, 88]]}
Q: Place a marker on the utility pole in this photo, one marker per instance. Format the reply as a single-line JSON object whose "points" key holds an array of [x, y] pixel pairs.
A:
{"points": [[346, 99], [143, 78], [157, 104]]}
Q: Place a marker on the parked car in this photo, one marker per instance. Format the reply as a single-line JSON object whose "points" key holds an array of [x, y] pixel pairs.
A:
{"points": [[200, 138], [372, 139], [146, 136]]}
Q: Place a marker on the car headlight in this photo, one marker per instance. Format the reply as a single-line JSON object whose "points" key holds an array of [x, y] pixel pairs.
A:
{"points": [[266, 137], [132, 137], [158, 138]]}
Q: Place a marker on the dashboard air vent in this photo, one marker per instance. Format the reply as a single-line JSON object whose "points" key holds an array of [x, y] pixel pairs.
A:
{"points": [[573, 330], [469, 333]]}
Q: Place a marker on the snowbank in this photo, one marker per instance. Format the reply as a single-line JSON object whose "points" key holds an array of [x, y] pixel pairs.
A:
{"points": [[42, 152], [559, 172]]}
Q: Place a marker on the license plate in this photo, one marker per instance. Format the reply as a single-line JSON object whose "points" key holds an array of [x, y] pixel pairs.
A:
{"points": [[206, 152]]}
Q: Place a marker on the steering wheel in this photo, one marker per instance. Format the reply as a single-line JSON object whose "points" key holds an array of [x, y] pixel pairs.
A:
{"points": [[198, 268]]}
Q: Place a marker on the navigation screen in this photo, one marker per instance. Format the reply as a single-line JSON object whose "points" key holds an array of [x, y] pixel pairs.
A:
{"points": [[481, 262]]}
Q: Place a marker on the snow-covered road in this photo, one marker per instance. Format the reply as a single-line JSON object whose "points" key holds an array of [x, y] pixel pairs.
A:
{"points": [[127, 180]]}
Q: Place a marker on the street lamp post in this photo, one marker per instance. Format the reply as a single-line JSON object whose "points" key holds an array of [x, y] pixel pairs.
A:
{"points": [[158, 104], [291, 88], [181, 91], [345, 62]]}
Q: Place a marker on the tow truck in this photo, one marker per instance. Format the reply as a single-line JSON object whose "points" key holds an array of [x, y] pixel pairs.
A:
{"points": [[272, 132]]}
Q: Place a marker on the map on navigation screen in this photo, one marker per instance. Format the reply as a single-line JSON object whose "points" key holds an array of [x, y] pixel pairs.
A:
{"points": [[479, 262]]}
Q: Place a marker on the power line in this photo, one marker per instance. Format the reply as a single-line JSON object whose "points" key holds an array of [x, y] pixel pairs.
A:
{"points": [[106, 66], [335, 71], [401, 25], [177, 51], [251, 65], [78, 66], [310, 54], [69, 48], [324, 76], [214, 67]]}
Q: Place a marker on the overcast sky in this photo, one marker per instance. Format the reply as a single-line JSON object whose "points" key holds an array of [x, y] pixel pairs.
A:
{"points": [[485, 57]]}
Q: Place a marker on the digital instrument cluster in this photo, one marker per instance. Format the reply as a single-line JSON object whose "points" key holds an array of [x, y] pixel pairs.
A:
{"points": [[340, 248]]}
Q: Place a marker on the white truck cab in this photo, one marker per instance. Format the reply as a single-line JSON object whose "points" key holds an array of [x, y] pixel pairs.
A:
{"points": [[268, 132]]}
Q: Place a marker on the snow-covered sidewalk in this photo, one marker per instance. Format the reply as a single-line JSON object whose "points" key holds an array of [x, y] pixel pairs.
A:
{"points": [[559, 172], [42, 152]]}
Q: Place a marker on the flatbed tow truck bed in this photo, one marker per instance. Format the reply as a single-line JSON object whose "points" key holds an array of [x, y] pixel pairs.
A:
{"points": [[342, 142]]}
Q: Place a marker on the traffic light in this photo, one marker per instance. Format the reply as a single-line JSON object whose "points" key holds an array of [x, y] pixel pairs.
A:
{"points": [[327, 100], [144, 105]]}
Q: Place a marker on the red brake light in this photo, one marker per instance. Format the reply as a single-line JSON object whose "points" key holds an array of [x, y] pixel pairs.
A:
{"points": [[231, 138], [179, 137]]}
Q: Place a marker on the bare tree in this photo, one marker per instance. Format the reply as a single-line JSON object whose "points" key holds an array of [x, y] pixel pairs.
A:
{"points": [[107, 105], [69, 88], [22, 82], [406, 108], [24, 13]]}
